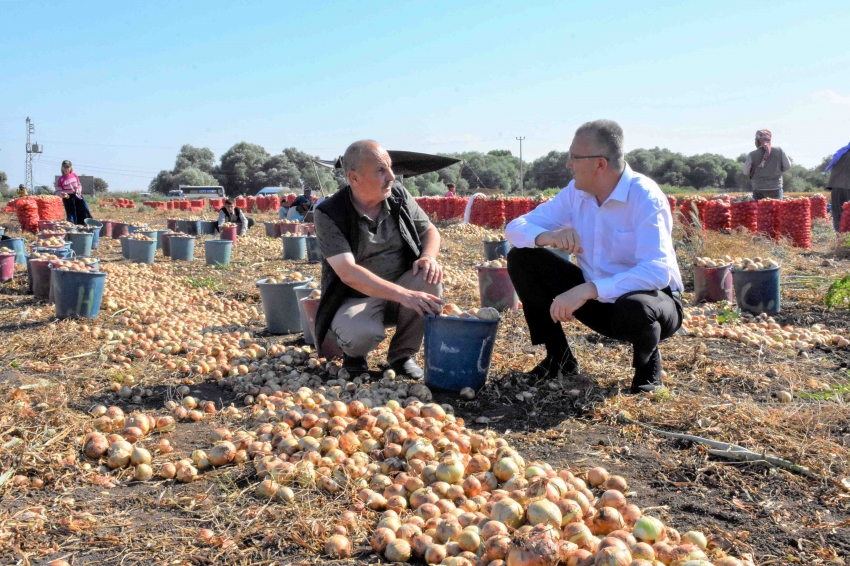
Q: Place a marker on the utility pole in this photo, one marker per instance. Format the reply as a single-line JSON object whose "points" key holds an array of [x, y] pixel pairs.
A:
{"points": [[521, 191], [32, 149]]}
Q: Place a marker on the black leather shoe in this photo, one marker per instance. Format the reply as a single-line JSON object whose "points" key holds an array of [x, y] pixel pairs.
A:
{"points": [[408, 367], [550, 367], [648, 377], [354, 366]]}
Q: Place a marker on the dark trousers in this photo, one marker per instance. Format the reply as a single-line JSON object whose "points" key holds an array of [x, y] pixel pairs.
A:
{"points": [[642, 318], [838, 197], [76, 210]]}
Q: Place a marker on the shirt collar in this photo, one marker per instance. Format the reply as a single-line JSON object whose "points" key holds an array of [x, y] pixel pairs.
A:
{"points": [[621, 191]]}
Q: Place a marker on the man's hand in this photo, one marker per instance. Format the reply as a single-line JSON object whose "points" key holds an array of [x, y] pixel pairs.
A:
{"points": [[566, 239], [567, 303], [422, 303], [431, 270]]}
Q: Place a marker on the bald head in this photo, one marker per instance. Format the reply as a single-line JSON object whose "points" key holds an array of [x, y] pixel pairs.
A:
{"points": [[358, 152]]}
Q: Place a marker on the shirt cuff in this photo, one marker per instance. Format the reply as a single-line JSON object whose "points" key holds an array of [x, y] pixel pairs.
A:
{"points": [[606, 289], [527, 236]]}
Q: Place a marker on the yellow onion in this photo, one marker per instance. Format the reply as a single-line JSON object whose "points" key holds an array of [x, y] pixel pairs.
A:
{"points": [[505, 469], [469, 539], [338, 546], [607, 520], [613, 556], [143, 472], [695, 538], [544, 512], [222, 453], [435, 554], [450, 470], [168, 471], [398, 551], [381, 538], [140, 456], [95, 445], [648, 529], [509, 512]]}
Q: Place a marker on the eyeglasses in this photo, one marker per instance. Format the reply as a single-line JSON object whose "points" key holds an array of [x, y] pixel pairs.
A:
{"points": [[573, 157]]}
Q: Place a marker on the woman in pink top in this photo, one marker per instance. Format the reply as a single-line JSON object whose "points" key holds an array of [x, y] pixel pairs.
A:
{"points": [[68, 187], [451, 190]]}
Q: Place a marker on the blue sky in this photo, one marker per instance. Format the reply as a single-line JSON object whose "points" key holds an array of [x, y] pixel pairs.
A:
{"points": [[118, 88]]}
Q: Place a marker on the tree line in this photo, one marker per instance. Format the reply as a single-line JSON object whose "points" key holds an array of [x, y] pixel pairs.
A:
{"points": [[246, 168]]}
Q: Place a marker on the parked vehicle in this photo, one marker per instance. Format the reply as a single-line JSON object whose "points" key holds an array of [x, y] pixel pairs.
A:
{"points": [[175, 195], [268, 191]]}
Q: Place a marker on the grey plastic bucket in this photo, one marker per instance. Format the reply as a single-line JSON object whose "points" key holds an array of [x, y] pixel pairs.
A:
{"points": [[193, 227], [142, 251], [281, 306], [95, 236], [77, 293], [81, 242], [269, 229], [314, 252], [183, 226], [2, 230], [182, 247], [125, 246], [294, 247], [495, 250], [217, 252], [303, 292], [757, 291], [16, 244], [209, 227], [155, 235], [132, 229], [458, 351]]}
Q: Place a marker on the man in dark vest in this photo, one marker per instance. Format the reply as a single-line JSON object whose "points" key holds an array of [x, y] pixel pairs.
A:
{"points": [[839, 182], [380, 266], [231, 213], [765, 166]]}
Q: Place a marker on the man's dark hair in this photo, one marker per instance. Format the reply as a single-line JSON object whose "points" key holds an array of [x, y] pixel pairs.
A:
{"points": [[308, 190], [228, 201], [607, 136]]}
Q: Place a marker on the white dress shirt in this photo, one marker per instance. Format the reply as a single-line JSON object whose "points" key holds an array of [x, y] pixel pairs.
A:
{"points": [[627, 243]]}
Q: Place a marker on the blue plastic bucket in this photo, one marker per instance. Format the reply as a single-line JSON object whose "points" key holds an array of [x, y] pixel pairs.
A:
{"points": [[125, 247], [757, 291], [193, 227], [458, 351], [495, 250], [281, 306], [182, 247], [61, 253], [209, 227], [183, 226], [314, 252], [217, 252], [155, 235], [81, 243], [142, 251], [294, 247], [77, 293], [132, 229], [16, 244], [92, 223], [2, 230], [303, 292], [95, 236]]}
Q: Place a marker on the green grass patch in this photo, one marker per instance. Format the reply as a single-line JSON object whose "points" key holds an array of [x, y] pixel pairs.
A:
{"points": [[202, 283]]}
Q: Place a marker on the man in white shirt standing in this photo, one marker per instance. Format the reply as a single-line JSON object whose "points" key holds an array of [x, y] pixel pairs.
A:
{"points": [[627, 286]]}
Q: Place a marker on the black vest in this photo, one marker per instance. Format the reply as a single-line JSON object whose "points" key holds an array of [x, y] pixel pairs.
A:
{"points": [[340, 209], [234, 218]]}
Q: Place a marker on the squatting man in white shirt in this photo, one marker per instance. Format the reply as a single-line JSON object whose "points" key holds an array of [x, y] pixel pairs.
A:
{"points": [[626, 286]]}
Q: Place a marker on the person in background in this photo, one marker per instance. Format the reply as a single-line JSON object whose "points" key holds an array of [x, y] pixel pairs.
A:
{"points": [[451, 190], [68, 187], [22, 191], [839, 182], [626, 284], [231, 213], [380, 265], [765, 165], [301, 205]]}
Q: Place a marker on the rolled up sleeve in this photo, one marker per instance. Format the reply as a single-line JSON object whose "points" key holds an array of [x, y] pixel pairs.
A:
{"points": [[551, 215], [652, 270]]}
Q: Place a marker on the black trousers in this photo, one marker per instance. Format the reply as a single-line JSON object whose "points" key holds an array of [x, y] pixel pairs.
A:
{"points": [[642, 318]]}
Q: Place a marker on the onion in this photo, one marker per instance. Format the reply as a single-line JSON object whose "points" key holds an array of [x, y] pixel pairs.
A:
{"points": [[613, 556], [581, 557], [727, 561], [140, 456], [447, 531], [143, 472], [597, 476], [222, 453], [435, 554], [544, 512], [505, 469], [398, 551], [648, 529], [696, 538], [420, 544], [497, 546], [643, 551], [95, 445], [607, 520], [616, 482], [469, 539], [509, 512], [611, 498], [450, 470], [338, 546], [493, 528], [570, 511], [631, 513], [167, 471], [187, 473]]}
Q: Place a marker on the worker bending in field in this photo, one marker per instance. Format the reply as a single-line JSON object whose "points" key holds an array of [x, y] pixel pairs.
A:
{"points": [[626, 284], [380, 265], [839, 182], [764, 166], [232, 213]]}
